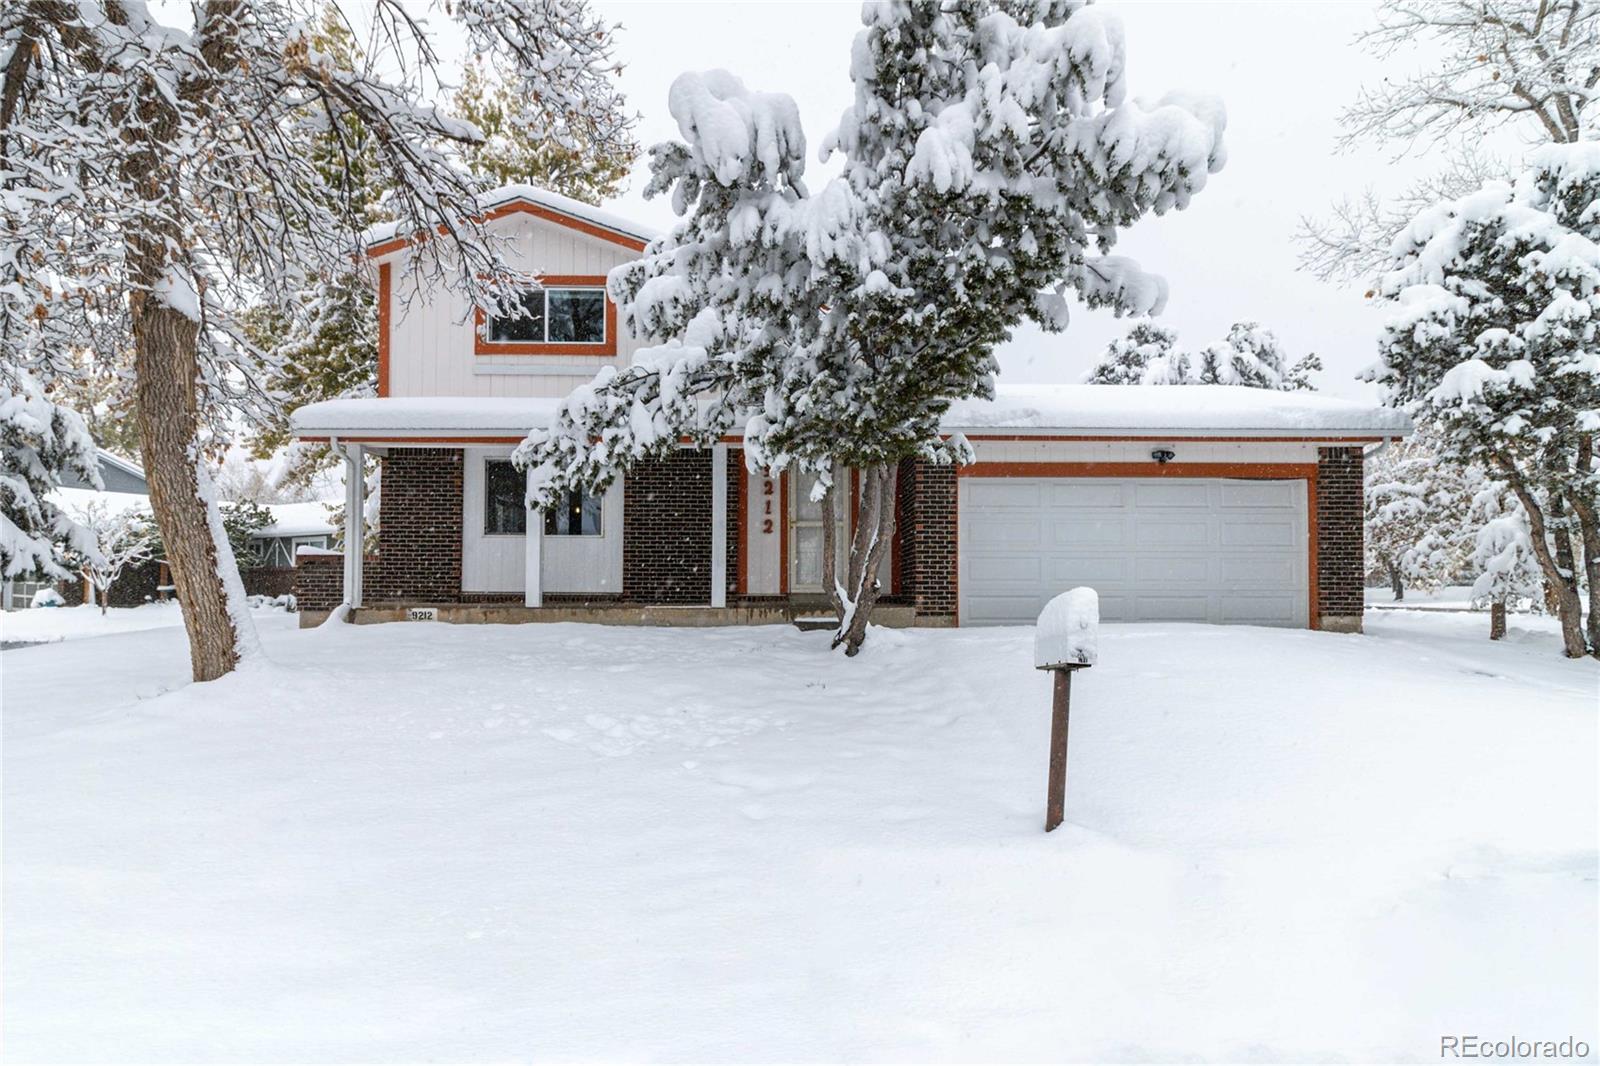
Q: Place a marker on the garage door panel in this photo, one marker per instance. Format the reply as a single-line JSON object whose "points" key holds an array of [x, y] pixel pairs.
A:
{"points": [[1087, 494], [988, 493], [1174, 549], [1088, 532], [1277, 531], [1067, 571], [1245, 571], [1174, 569], [1165, 533], [1193, 493], [1007, 532], [1005, 568], [1281, 494]]}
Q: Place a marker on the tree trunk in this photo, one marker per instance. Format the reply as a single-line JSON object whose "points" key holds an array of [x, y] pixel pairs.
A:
{"points": [[1397, 583], [874, 533], [1497, 620], [105, 598], [1583, 506], [166, 371], [1562, 585]]}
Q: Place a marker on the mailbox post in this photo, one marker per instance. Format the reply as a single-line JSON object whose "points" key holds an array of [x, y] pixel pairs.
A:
{"points": [[1065, 641]]}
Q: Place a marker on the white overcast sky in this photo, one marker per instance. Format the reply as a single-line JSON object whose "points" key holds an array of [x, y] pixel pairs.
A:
{"points": [[1284, 71]]}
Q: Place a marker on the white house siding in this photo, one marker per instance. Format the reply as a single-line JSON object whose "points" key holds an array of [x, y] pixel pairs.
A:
{"points": [[431, 334]]}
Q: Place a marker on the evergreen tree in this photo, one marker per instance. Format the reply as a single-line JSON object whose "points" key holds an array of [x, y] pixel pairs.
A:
{"points": [[1147, 355], [40, 440], [991, 157], [1493, 340]]}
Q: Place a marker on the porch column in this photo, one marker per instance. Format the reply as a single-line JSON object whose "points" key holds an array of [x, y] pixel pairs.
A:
{"points": [[719, 525], [533, 549], [355, 522]]}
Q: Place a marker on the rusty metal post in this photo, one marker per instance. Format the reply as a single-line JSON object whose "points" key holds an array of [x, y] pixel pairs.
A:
{"points": [[1060, 706]]}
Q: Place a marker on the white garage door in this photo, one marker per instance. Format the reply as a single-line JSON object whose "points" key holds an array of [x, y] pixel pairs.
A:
{"points": [[1156, 549]]}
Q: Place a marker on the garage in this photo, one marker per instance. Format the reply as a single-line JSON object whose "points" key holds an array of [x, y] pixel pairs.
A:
{"points": [[1156, 548]]}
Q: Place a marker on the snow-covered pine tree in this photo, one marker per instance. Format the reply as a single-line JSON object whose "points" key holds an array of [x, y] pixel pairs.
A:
{"points": [[1503, 556], [1493, 340], [987, 147], [39, 441], [1147, 354], [1526, 65], [1418, 531], [154, 197]]}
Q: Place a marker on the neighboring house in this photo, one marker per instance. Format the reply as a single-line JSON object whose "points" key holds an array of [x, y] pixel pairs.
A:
{"points": [[1205, 504], [122, 481], [292, 525]]}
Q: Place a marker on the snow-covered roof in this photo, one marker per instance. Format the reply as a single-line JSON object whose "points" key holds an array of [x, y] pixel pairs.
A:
{"points": [[1068, 410], [1172, 410], [76, 501], [533, 194], [297, 520], [402, 417]]}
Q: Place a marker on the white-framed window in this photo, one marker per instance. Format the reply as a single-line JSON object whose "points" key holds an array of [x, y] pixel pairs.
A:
{"points": [[557, 315], [577, 516], [505, 513], [505, 491]]}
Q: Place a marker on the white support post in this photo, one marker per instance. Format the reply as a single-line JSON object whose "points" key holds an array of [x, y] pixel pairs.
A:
{"points": [[355, 522], [533, 547], [719, 525]]}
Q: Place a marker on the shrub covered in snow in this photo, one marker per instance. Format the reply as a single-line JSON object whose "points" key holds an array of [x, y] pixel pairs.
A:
{"points": [[47, 597]]}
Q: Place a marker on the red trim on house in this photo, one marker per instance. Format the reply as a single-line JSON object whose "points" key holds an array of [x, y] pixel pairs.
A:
{"points": [[401, 441], [526, 207], [481, 345], [783, 533], [1323, 442], [385, 287], [1306, 472], [1258, 471]]}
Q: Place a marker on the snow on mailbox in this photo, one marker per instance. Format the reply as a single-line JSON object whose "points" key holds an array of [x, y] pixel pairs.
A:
{"points": [[1065, 639], [1068, 631]]}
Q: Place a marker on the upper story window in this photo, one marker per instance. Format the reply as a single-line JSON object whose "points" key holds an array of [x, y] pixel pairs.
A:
{"points": [[558, 318]]}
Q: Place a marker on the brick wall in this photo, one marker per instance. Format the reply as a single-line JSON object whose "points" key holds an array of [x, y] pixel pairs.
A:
{"points": [[927, 549], [419, 529], [666, 528], [268, 580], [319, 582], [1339, 539]]}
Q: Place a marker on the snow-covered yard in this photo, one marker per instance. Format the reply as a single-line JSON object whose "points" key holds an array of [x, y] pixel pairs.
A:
{"points": [[553, 842]]}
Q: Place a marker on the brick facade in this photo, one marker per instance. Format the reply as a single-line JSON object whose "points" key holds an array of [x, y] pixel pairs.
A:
{"points": [[666, 528], [1340, 550], [419, 529], [318, 582], [927, 539]]}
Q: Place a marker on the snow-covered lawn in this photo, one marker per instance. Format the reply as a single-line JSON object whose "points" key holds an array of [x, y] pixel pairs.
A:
{"points": [[36, 625], [552, 842]]}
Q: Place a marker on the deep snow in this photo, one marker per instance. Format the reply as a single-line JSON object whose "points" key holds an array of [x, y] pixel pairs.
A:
{"points": [[558, 841]]}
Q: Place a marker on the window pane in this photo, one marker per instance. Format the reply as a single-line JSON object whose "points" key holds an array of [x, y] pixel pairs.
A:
{"points": [[528, 327], [504, 490], [577, 316], [577, 516]]}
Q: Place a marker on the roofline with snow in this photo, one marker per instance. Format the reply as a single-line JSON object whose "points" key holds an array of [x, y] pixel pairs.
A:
{"points": [[519, 202]]}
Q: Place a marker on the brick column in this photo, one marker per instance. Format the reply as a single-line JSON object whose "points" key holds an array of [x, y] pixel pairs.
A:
{"points": [[666, 529], [318, 584], [1340, 549], [927, 547], [419, 528]]}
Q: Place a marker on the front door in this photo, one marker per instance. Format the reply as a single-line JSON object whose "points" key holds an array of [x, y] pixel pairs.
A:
{"points": [[805, 534]]}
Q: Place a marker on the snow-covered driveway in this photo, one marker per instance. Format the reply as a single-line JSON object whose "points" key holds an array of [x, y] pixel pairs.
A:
{"points": [[554, 842]]}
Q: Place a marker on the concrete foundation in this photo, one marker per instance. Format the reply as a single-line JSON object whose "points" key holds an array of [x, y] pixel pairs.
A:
{"points": [[599, 614]]}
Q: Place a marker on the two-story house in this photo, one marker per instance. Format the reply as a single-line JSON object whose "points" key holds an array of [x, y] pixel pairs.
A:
{"points": [[1200, 503]]}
